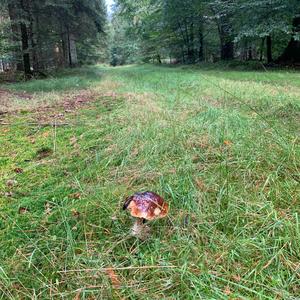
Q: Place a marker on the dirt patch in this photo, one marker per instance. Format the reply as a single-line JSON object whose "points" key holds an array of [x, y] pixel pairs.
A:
{"points": [[43, 153], [49, 107], [73, 102], [7, 93], [6, 99]]}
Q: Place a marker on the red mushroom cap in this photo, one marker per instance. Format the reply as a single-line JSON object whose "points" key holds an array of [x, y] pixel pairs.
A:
{"points": [[146, 205]]}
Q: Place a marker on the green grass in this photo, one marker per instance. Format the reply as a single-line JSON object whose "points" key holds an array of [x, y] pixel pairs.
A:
{"points": [[221, 146]]}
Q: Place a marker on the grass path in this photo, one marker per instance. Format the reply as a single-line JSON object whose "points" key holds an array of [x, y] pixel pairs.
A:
{"points": [[75, 145]]}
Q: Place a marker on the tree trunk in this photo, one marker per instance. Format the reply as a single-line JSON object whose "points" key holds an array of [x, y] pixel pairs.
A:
{"points": [[33, 49], [191, 52], [201, 45], [35, 37], [158, 59], [72, 52], [291, 53], [262, 49], [30, 9], [15, 37], [227, 51], [65, 49], [226, 40], [225, 33], [250, 53], [269, 49], [25, 46]]}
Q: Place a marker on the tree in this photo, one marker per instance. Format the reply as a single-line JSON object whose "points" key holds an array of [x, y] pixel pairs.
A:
{"points": [[223, 12], [264, 20], [291, 53], [50, 33]]}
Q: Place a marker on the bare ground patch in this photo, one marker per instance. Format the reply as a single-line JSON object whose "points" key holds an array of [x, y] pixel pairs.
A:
{"points": [[46, 107]]}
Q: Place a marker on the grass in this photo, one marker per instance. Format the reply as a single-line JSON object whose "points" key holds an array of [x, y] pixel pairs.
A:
{"points": [[221, 146]]}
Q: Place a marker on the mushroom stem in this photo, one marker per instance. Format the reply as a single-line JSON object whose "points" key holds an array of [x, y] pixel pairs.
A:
{"points": [[139, 229]]}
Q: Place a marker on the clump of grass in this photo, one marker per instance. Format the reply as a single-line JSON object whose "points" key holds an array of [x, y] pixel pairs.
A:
{"points": [[229, 174]]}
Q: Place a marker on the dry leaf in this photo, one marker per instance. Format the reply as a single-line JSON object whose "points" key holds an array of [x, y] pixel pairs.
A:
{"points": [[236, 278], [32, 140], [227, 143], [135, 152], [200, 184], [75, 196], [227, 291], [23, 210], [18, 170], [48, 208], [11, 182], [73, 140], [173, 171], [114, 278], [46, 134], [75, 213]]}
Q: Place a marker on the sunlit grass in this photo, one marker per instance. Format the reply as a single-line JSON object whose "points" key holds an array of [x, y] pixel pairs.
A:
{"points": [[220, 146]]}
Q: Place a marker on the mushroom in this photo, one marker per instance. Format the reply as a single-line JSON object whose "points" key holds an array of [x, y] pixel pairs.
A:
{"points": [[145, 206]]}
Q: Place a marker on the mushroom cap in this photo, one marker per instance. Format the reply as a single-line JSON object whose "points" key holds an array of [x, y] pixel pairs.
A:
{"points": [[146, 205]]}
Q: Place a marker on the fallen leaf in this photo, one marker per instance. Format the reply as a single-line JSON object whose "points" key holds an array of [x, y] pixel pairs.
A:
{"points": [[11, 182], [227, 143], [200, 184], [48, 208], [75, 196], [106, 231], [227, 291], [23, 210], [135, 152], [73, 140], [18, 170], [173, 171], [46, 134], [236, 278], [32, 140], [75, 213], [114, 278], [196, 159]]}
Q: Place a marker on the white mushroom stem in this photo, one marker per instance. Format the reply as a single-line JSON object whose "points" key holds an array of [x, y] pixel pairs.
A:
{"points": [[137, 227], [140, 230]]}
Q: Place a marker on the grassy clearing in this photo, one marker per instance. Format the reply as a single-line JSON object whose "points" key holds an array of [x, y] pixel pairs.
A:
{"points": [[229, 167]]}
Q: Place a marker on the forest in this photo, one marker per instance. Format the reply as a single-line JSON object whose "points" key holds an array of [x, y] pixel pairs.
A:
{"points": [[149, 149], [41, 35]]}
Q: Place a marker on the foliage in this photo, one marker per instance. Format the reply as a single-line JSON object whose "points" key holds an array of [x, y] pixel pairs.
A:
{"points": [[196, 30], [52, 33]]}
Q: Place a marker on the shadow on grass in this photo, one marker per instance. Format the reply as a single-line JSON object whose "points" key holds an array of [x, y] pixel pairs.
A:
{"points": [[64, 80]]}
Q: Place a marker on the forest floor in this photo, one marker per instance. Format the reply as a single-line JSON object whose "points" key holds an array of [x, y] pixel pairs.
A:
{"points": [[222, 147]]}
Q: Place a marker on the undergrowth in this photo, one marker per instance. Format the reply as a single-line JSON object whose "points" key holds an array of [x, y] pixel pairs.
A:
{"points": [[222, 147]]}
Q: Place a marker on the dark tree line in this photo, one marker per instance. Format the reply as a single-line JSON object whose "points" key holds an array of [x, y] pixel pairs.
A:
{"points": [[196, 30], [40, 34]]}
